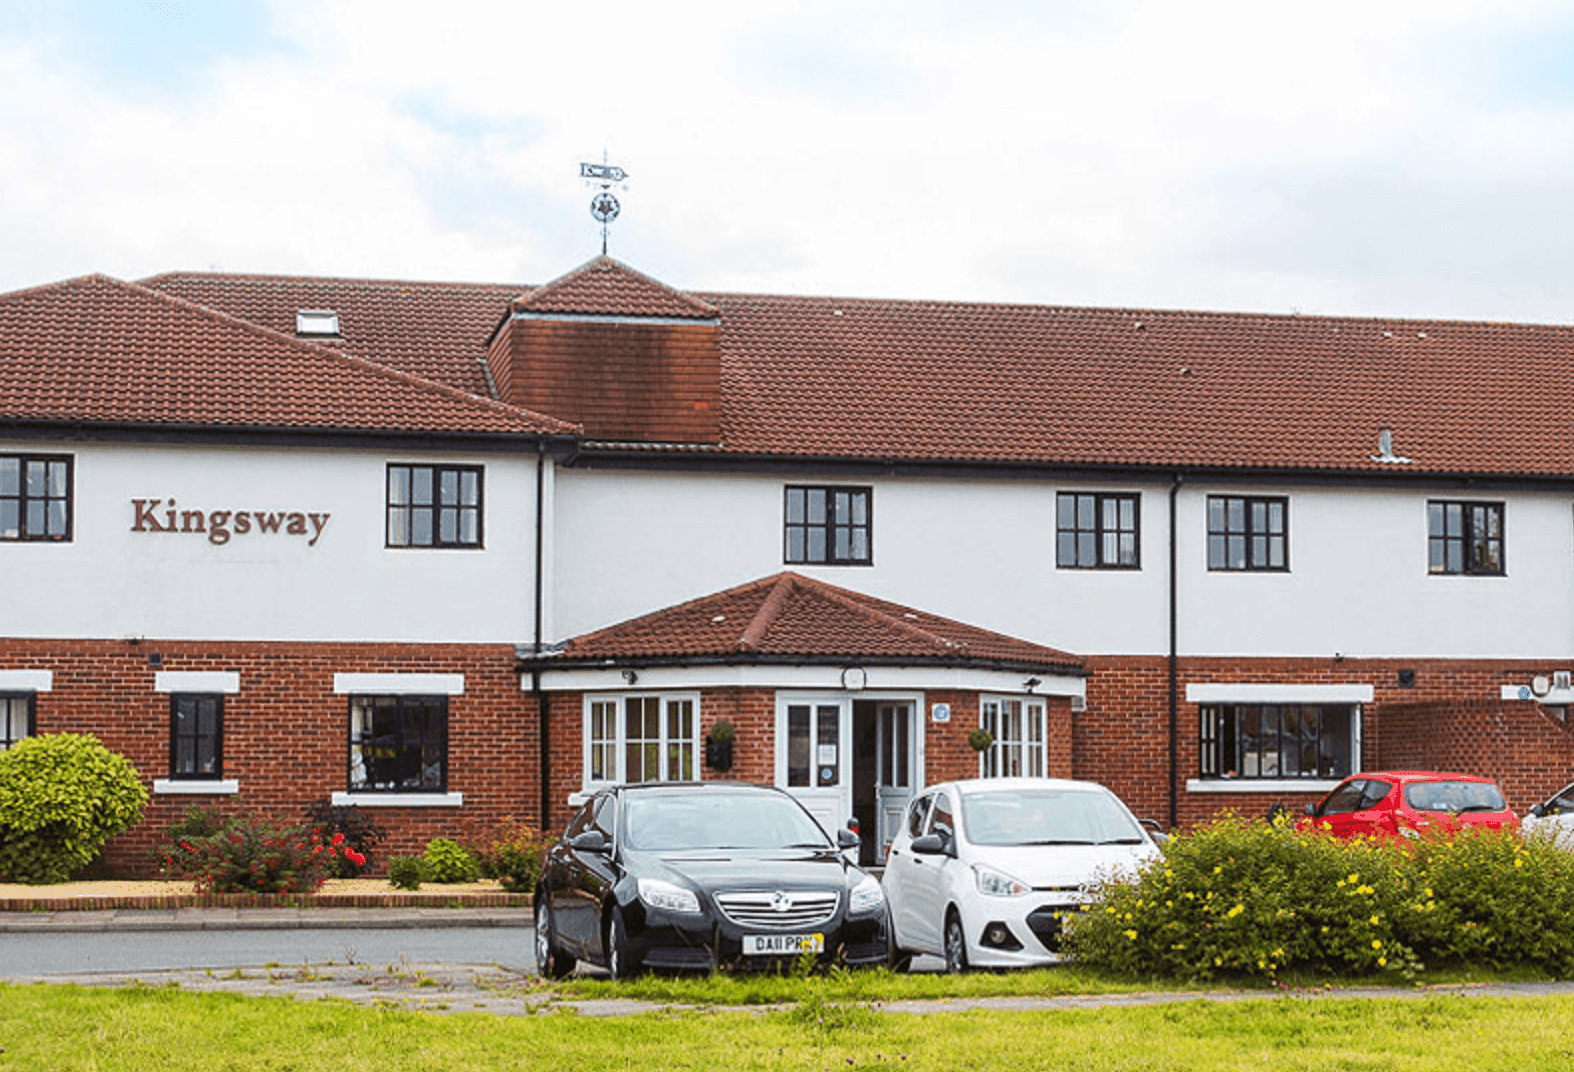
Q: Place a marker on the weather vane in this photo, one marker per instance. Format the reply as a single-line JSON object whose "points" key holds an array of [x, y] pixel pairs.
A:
{"points": [[604, 208]]}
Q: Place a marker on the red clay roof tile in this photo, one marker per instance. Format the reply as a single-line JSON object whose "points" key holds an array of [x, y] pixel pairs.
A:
{"points": [[796, 617], [606, 287], [98, 350], [817, 377]]}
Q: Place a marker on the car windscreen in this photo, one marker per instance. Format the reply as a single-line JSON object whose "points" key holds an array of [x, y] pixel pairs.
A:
{"points": [[1454, 796], [1048, 817], [662, 822]]}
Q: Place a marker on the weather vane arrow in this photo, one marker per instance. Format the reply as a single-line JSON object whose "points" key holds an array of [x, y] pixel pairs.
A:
{"points": [[604, 207]]}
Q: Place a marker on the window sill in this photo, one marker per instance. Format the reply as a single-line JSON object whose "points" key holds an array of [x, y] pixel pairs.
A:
{"points": [[398, 800], [1261, 785], [225, 787]]}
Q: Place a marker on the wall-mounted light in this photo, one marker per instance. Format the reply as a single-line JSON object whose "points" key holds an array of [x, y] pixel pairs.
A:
{"points": [[1030, 684], [630, 676]]}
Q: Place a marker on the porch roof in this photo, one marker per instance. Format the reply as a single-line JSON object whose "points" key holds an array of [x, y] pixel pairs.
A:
{"points": [[792, 619]]}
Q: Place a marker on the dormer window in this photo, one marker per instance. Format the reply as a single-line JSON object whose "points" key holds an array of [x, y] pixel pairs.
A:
{"points": [[316, 322]]}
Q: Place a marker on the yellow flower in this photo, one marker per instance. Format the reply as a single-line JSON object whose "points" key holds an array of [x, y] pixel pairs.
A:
{"points": [[1382, 962], [1130, 934], [1237, 910], [1376, 944], [1375, 921]]}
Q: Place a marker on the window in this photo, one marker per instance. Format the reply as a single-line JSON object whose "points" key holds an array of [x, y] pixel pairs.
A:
{"points": [[399, 744], [1277, 740], [434, 506], [641, 739], [1246, 533], [828, 526], [1018, 729], [196, 735], [35, 497], [1095, 531], [1464, 537], [16, 717]]}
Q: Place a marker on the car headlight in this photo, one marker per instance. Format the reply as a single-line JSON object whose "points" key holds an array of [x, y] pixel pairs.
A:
{"points": [[867, 896], [992, 883], [664, 895]]}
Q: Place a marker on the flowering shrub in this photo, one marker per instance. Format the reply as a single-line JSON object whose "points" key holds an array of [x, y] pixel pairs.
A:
{"points": [[361, 833], [512, 853], [62, 795], [247, 854], [1253, 898]]}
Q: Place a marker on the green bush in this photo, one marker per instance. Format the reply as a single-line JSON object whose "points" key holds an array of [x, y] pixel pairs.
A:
{"points": [[512, 853], [449, 861], [61, 797], [253, 854], [406, 872], [1497, 899], [1257, 899]]}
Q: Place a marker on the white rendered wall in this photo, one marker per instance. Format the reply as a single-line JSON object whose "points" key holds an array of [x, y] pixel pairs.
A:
{"points": [[982, 552], [111, 581]]}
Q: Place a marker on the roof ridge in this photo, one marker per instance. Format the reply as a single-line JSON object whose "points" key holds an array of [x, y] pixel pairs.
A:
{"points": [[373, 281], [770, 610], [845, 598], [603, 261], [334, 354]]}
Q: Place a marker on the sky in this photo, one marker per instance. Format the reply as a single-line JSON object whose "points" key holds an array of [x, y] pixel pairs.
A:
{"points": [[1393, 158]]}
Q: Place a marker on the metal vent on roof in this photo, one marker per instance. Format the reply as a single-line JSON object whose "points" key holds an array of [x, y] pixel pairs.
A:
{"points": [[1385, 449], [316, 322]]}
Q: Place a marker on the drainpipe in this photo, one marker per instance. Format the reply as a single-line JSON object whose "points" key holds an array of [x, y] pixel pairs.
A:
{"points": [[543, 729], [1174, 668]]}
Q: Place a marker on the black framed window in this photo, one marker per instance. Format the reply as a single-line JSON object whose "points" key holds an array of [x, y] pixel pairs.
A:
{"points": [[399, 744], [829, 526], [434, 505], [35, 497], [196, 735], [1248, 533], [1464, 537], [1096, 531], [17, 714], [1277, 740]]}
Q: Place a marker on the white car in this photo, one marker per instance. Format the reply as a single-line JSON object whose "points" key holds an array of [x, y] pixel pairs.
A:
{"points": [[1553, 819], [982, 870]]}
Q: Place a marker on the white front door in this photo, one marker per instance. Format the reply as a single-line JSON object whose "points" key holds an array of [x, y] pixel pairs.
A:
{"points": [[894, 775], [813, 760]]}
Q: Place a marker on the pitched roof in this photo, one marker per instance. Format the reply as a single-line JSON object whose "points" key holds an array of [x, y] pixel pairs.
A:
{"points": [[969, 382], [96, 350], [607, 287], [790, 617], [434, 330]]}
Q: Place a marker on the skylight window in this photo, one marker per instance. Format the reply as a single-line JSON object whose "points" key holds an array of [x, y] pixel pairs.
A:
{"points": [[316, 322]]}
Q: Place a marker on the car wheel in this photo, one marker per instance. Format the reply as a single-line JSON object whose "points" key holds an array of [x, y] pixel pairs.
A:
{"points": [[955, 943], [620, 962], [551, 961]]}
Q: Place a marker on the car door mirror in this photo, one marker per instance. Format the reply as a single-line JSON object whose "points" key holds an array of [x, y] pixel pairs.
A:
{"points": [[930, 845], [1538, 810], [847, 839], [1311, 809], [1155, 831], [590, 841]]}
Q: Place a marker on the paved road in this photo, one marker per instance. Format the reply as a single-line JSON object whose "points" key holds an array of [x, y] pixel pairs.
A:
{"points": [[143, 941]]}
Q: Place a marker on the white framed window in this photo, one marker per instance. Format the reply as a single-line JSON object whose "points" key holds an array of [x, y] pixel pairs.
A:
{"points": [[1017, 725], [642, 737]]}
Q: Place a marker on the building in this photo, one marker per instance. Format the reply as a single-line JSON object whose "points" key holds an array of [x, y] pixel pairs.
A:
{"points": [[462, 552]]}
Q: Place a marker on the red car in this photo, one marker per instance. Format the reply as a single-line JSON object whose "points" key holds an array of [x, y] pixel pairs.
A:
{"points": [[1389, 804]]}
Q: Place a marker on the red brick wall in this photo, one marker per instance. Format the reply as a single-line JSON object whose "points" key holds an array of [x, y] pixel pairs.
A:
{"points": [[655, 382], [286, 733], [1122, 739]]}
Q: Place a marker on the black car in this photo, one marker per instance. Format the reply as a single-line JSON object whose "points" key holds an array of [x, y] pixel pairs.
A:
{"points": [[702, 875]]}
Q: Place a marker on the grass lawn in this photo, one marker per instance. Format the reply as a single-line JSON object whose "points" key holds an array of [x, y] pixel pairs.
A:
{"points": [[62, 1028]]}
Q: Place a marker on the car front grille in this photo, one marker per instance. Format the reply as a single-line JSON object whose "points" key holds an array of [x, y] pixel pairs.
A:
{"points": [[779, 909]]}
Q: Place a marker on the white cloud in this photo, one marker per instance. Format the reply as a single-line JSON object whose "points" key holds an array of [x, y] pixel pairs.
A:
{"points": [[1390, 158]]}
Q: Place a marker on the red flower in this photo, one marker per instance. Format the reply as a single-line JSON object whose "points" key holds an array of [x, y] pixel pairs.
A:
{"points": [[338, 839], [355, 858]]}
